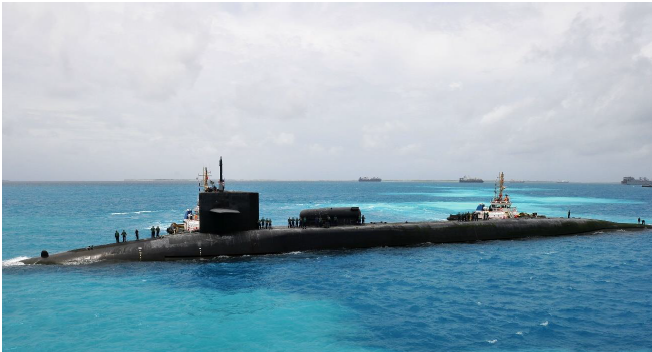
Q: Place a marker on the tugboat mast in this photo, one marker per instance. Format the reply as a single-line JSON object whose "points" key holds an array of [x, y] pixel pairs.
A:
{"points": [[499, 187], [209, 185]]}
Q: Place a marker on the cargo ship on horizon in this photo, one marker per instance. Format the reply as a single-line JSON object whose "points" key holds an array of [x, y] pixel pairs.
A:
{"points": [[641, 181], [466, 179], [367, 179]]}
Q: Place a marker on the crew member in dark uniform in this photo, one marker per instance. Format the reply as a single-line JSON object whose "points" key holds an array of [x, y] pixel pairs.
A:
{"points": [[117, 236], [569, 214], [158, 231], [124, 236], [362, 219], [153, 231], [136, 234]]}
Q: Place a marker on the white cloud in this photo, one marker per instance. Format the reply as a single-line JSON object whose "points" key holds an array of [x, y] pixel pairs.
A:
{"points": [[409, 149], [502, 112], [87, 85], [284, 138], [455, 86]]}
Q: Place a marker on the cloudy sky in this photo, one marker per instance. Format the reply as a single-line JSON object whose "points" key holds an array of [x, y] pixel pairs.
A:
{"points": [[327, 91]]}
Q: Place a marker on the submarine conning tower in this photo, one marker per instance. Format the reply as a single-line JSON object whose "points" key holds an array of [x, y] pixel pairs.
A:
{"points": [[223, 212]]}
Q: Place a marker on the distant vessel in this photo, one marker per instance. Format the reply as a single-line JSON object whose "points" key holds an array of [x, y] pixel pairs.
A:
{"points": [[562, 181], [632, 181], [367, 179], [466, 179]]}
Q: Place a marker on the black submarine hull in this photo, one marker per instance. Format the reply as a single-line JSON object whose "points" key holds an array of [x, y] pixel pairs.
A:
{"points": [[284, 240]]}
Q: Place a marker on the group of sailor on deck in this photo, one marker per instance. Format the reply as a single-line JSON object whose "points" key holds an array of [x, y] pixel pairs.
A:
{"points": [[156, 232]]}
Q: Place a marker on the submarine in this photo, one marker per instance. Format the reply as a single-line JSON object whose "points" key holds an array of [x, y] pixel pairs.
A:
{"points": [[228, 226]]}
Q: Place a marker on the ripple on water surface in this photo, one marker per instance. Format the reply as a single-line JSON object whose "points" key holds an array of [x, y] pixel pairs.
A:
{"points": [[574, 293]]}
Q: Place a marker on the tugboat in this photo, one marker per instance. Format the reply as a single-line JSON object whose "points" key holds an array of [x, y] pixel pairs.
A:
{"points": [[500, 207]]}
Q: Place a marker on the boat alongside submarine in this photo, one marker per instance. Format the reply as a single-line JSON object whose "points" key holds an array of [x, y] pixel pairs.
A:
{"points": [[228, 226]]}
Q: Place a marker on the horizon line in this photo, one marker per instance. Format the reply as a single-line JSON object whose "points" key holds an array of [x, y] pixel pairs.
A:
{"points": [[284, 180]]}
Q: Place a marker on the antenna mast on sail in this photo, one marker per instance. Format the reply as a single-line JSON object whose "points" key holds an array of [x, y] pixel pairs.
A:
{"points": [[221, 178]]}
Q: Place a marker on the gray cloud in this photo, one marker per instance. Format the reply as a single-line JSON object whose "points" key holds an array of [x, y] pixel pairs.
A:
{"points": [[405, 91]]}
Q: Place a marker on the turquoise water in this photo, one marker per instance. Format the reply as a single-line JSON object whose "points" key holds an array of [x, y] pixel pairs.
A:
{"points": [[578, 293]]}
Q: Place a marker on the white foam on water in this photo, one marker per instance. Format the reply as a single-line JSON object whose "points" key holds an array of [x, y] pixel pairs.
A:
{"points": [[598, 232], [143, 211], [83, 260], [295, 252], [492, 341], [14, 261], [119, 213], [519, 333], [545, 323]]}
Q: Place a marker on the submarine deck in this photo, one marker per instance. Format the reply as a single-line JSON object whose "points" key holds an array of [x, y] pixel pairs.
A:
{"points": [[189, 245]]}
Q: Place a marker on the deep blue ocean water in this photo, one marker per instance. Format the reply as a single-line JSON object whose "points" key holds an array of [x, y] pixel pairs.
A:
{"points": [[576, 293]]}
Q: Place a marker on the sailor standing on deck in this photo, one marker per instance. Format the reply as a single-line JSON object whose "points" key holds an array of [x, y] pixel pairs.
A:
{"points": [[153, 231], [136, 234], [117, 236], [124, 236], [569, 213], [158, 231]]}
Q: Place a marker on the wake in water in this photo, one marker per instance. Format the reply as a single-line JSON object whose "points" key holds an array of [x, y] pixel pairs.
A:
{"points": [[13, 261], [135, 212]]}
